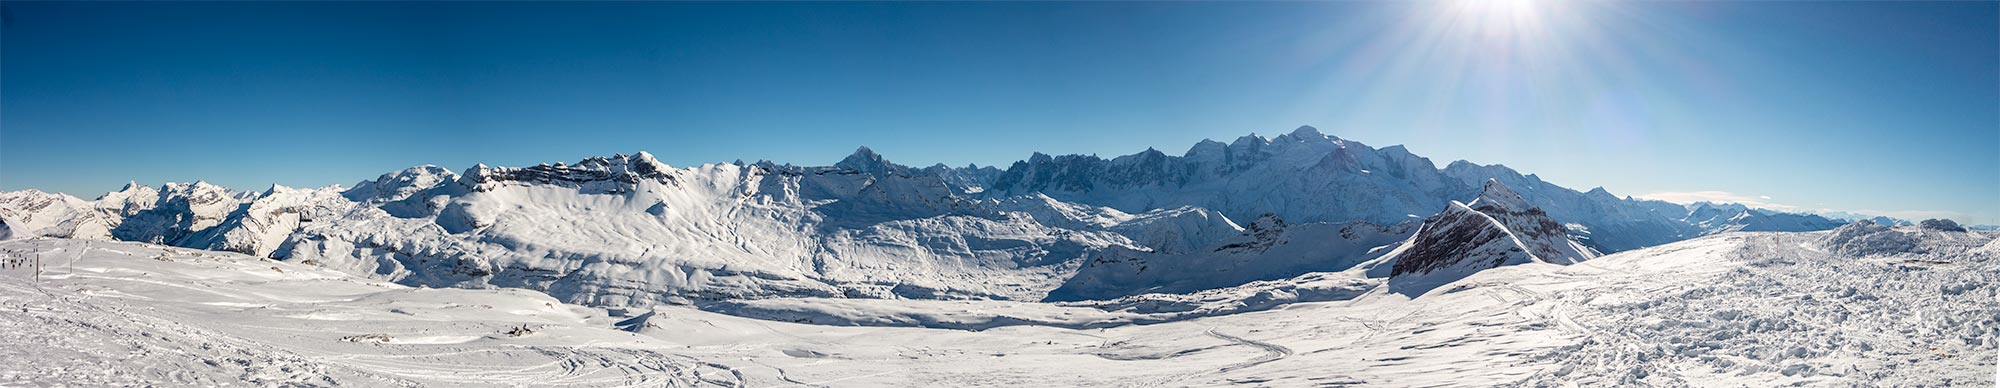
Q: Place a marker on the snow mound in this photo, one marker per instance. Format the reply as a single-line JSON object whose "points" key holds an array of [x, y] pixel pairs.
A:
{"points": [[1940, 224], [1867, 239]]}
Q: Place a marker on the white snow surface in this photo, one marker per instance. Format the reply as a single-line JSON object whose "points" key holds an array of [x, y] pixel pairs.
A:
{"points": [[1738, 309]]}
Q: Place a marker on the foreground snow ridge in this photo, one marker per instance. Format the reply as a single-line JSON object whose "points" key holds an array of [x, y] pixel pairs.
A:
{"points": [[1740, 309]]}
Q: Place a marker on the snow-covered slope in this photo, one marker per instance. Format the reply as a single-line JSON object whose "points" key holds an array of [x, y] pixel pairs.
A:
{"points": [[180, 214], [628, 230], [1177, 230], [1739, 309], [30, 213], [1268, 249], [264, 225]]}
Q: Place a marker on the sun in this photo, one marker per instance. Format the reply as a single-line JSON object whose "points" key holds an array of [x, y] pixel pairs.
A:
{"points": [[1510, 19]]}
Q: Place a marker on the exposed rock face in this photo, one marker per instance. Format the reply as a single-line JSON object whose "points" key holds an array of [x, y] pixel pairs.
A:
{"points": [[600, 174], [1459, 236], [1545, 237], [1496, 229], [1263, 233]]}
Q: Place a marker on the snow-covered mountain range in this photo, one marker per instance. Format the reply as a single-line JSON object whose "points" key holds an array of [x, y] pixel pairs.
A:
{"points": [[630, 230]]}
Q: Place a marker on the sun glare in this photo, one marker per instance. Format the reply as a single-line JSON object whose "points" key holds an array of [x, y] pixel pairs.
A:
{"points": [[1498, 18]]}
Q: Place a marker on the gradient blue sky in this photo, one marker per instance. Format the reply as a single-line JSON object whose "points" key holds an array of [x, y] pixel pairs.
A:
{"points": [[1867, 106]]}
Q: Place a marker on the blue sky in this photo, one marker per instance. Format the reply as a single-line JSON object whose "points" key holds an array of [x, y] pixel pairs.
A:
{"points": [[1867, 106]]}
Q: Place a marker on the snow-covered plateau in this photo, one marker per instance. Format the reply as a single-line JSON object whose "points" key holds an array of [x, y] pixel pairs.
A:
{"points": [[1296, 260]]}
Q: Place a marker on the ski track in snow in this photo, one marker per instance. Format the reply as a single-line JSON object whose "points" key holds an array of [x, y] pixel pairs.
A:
{"points": [[1272, 352]]}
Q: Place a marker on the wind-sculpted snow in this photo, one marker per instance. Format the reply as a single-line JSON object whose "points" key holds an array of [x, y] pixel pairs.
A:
{"points": [[1783, 311], [1866, 238]]}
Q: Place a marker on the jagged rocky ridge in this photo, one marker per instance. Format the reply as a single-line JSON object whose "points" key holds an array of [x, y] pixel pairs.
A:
{"points": [[1498, 228], [629, 230], [1306, 176]]}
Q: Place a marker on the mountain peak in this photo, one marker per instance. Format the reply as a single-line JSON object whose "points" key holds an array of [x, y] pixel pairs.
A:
{"points": [[1498, 195], [1207, 149], [646, 157], [1265, 224], [861, 156], [1306, 132], [1250, 140], [866, 160]]}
